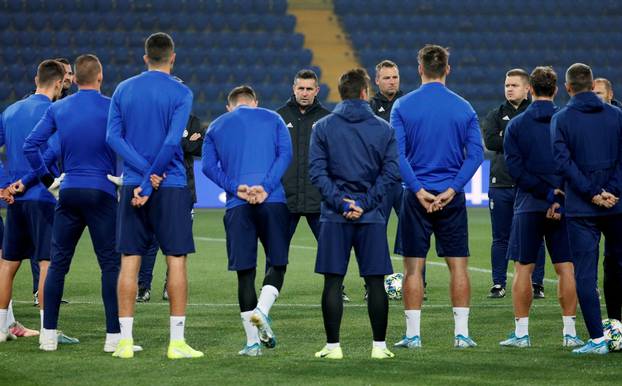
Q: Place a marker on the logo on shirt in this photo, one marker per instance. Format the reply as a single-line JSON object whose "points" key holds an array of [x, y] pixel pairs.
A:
{"points": [[381, 109], [289, 125], [185, 133], [506, 118]]}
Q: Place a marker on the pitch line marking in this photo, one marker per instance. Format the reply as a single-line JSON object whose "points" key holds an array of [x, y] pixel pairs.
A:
{"points": [[393, 257]]}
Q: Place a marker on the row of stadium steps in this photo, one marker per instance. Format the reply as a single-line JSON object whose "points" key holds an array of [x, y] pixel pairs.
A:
{"points": [[487, 38], [325, 37], [219, 43]]}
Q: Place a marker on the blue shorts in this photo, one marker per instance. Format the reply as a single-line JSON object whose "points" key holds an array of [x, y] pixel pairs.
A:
{"points": [[449, 226], [1, 230], [528, 231], [167, 215], [370, 247], [28, 230], [244, 224]]}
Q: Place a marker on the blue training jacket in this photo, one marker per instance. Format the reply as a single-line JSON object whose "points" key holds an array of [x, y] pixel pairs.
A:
{"points": [[435, 127], [529, 158], [17, 122], [587, 148], [353, 154], [80, 120], [147, 118], [247, 146]]}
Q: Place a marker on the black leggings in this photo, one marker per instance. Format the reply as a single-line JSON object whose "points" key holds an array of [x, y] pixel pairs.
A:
{"points": [[247, 296], [613, 287], [332, 306]]}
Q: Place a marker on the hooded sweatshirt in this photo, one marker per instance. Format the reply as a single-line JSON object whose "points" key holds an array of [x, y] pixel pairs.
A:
{"points": [[529, 157], [353, 154], [587, 150]]}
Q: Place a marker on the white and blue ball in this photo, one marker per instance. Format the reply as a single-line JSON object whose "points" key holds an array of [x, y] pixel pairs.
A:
{"points": [[612, 329], [393, 286]]}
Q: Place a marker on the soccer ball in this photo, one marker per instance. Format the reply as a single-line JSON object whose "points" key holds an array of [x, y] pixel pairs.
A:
{"points": [[393, 286], [612, 329]]}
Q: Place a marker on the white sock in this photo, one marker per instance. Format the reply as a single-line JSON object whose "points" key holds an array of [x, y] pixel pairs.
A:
{"points": [[522, 327], [461, 320], [41, 316], [10, 318], [48, 334], [252, 335], [569, 325], [382, 344], [267, 298], [599, 340], [3, 322], [332, 346], [413, 323], [113, 338], [177, 327], [126, 327]]}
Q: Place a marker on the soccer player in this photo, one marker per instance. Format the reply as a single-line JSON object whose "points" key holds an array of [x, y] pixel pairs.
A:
{"points": [[87, 198], [587, 149], [28, 229], [603, 88], [68, 79], [612, 286], [148, 115], [537, 213], [353, 180], [502, 191], [191, 144], [440, 149], [246, 151]]}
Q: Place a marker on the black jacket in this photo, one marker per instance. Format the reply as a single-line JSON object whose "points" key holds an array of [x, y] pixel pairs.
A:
{"points": [[302, 196], [192, 149], [382, 106], [493, 129]]}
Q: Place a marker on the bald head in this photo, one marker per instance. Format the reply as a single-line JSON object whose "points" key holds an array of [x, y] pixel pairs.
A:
{"points": [[88, 70]]}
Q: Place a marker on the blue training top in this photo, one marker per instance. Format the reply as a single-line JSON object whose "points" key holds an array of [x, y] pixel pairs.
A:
{"points": [[434, 128], [17, 122], [529, 158], [148, 115], [353, 154], [587, 149], [247, 146], [80, 120]]}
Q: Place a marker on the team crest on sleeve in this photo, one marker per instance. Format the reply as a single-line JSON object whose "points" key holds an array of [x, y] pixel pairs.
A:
{"points": [[185, 133]]}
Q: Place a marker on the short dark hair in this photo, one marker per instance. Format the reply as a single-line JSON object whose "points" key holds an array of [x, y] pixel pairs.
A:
{"points": [[518, 72], [352, 83], [159, 47], [579, 77], [543, 81], [243, 91], [63, 61], [49, 71], [385, 64], [434, 60], [87, 67], [306, 74], [606, 82]]}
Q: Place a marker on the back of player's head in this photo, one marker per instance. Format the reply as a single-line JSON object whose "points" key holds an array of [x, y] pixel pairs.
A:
{"points": [[48, 72], [306, 74], [518, 72], [239, 93], [606, 83], [433, 60], [87, 69], [543, 81], [579, 78], [385, 64], [352, 83], [159, 48]]}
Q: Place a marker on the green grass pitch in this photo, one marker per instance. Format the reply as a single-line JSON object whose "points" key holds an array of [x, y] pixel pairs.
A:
{"points": [[214, 327]]}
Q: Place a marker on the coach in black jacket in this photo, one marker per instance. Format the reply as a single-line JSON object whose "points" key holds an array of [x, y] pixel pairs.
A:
{"points": [[191, 144], [501, 192], [300, 114]]}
